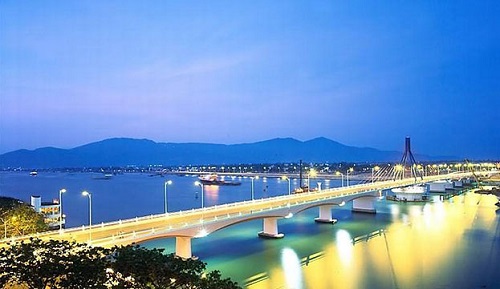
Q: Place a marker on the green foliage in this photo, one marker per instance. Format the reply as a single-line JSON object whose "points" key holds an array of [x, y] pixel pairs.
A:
{"points": [[53, 264], [63, 264], [18, 218]]}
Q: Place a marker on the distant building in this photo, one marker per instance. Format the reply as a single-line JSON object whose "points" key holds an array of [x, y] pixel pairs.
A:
{"points": [[440, 186], [50, 211]]}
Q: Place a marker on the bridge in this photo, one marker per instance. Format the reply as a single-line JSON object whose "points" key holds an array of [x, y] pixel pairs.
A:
{"points": [[197, 223]]}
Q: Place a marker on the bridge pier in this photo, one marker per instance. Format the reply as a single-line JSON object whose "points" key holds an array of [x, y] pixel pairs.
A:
{"points": [[270, 229], [183, 247], [364, 205], [325, 215]]}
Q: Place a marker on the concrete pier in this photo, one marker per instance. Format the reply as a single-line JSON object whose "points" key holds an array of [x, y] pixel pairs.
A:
{"points": [[183, 247], [325, 215], [270, 229], [364, 205]]}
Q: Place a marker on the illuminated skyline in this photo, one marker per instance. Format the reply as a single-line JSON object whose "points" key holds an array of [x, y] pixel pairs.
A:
{"points": [[363, 74]]}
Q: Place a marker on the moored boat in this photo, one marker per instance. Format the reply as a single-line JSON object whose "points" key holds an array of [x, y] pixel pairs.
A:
{"points": [[410, 190], [213, 180], [415, 193]]}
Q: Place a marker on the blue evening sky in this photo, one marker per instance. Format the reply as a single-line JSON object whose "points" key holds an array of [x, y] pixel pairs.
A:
{"points": [[364, 73]]}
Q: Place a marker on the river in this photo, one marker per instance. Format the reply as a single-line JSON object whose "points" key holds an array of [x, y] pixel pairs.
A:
{"points": [[439, 244]]}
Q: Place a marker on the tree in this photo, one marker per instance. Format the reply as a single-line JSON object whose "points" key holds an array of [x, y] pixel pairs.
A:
{"points": [[63, 264], [214, 280], [153, 269], [19, 218], [53, 264]]}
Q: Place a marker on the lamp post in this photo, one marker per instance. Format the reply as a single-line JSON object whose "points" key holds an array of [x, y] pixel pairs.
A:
{"points": [[399, 168], [375, 168], [201, 185], [347, 175], [420, 169], [289, 185], [167, 183], [61, 191], [312, 173], [85, 193], [252, 178], [342, 176]]}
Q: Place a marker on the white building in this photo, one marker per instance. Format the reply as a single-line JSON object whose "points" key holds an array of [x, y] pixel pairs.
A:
{"points": [[50, 210], [440, 186]]}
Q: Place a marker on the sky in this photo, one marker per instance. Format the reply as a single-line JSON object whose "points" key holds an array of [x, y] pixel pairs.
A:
{"points": [[363, 73]]}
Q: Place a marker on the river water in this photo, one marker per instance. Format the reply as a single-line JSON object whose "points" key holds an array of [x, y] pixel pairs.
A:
{"points": [[439, 244]]}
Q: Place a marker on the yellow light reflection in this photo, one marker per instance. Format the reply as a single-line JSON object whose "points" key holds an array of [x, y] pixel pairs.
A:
{"points": [[292, 268], [428, 247], [344, 246], [211, 194]]}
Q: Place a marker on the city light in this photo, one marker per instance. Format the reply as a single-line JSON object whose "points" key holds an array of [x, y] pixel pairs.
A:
{"points": [[167, 183], [87, 194], [289, 184], [197, 183], [62, 191]]}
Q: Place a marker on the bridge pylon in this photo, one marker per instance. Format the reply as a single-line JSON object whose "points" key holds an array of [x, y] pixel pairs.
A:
{"points": [[408, 160]]}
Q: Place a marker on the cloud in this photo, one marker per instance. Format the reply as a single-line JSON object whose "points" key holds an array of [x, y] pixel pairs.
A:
{"points": [[169, 69]]}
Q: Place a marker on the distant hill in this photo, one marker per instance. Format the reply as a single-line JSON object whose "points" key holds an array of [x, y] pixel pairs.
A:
{"points": [[126, 151]]}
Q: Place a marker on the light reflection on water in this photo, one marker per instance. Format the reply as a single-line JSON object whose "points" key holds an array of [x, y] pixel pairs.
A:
{"points": [[292, 268], [344, 246], [441, 245], [448, 244]]}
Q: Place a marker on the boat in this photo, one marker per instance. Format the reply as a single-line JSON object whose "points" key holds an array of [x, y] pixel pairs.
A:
{"points": [[410, 190], [304, 189], [105, 176], [415, 193], [33, 173], [213, 180]]}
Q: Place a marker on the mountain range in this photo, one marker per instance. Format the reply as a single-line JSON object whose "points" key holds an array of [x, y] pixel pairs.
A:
{"points": [[141, 152]]}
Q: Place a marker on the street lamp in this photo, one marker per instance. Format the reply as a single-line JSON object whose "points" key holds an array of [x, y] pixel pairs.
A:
{"points": [[85, 193], [375, 168], [252, 178], [342, 176], [436, 168], [420, 169], [397, 169], [167, 183], [61, 191], [201, 185], [312, 173], [347, 175], [289, 185]]}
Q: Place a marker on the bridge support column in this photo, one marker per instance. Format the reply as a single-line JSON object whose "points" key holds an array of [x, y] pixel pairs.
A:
{"points": [[183, 247], [270, 229], [364, 205], [325, 215]]}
